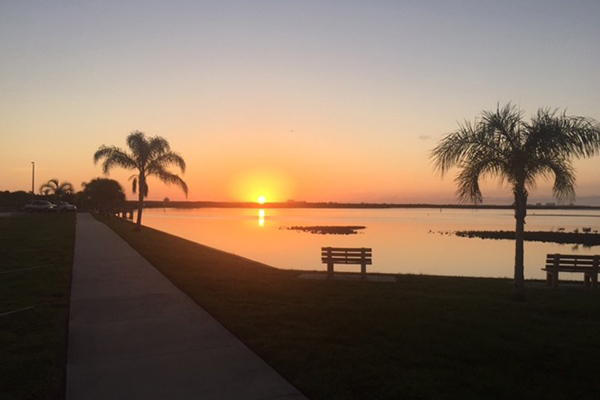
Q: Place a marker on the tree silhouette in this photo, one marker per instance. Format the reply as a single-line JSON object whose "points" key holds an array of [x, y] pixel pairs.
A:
{"points": [[104, 194], [502, 144], [57, 189], [149, 157]]}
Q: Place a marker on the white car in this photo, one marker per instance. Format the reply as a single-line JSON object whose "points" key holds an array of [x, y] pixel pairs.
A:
{"points": [[64, 206], [40, 205]]}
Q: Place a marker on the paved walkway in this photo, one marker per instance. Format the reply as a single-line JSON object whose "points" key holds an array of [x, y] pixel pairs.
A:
{"points": [[134, 335]]}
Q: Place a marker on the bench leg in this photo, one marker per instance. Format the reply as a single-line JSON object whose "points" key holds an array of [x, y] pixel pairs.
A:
{"points": [[548, 279], [329, 270], [595, 268], [363, 271], [587, 280], [555, 279]]}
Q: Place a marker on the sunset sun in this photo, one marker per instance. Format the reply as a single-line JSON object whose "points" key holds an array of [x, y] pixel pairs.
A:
{"points": [[261, 199]]}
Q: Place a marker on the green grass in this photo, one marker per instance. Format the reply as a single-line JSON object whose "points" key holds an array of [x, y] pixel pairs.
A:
{"points": [[34, 341], [423, 337]]}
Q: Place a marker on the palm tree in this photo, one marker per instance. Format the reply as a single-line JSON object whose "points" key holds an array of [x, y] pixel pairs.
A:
{"points": [[57, 189], [149, 157], [502, 144]]}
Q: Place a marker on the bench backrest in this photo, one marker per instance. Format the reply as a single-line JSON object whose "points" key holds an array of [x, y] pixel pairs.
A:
{"points": [[571, 261], [346, 255]]}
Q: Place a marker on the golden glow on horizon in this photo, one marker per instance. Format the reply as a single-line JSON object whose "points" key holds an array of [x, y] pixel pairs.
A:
{"points": [[260, 184]]}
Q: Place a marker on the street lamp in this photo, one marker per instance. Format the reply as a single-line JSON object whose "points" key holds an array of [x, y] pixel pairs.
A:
{"points": [[32, 181]]}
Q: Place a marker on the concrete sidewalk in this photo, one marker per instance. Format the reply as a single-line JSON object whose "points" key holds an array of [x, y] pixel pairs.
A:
{"points": [[134, 335]]}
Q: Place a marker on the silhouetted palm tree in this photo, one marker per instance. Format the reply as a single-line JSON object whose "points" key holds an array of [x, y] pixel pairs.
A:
{"points": [[502, 144], [57, 189], [150, 157]]}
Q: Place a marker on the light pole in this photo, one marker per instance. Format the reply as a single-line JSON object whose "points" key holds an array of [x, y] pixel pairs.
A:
{"points": [[32, 181]]}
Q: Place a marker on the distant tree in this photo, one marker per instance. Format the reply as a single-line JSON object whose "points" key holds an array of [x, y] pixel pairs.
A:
{"points": [[502, 144], [148, 157], [58, 190], [103, 194], [14, 200]]}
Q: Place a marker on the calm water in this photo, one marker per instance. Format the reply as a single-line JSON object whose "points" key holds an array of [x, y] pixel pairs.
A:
{"points": [[403, 240]]}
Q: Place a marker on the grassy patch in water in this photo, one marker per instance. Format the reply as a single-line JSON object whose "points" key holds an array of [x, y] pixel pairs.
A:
{"points": [[586, 239], [327, 230]]}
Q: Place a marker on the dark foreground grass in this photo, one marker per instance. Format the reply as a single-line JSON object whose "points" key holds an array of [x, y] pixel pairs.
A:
{"points": [[420, 338], [36, 255]]}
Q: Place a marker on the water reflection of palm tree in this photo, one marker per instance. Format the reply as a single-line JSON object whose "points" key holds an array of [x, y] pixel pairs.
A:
{"points": [[149, 157], [502, 144], [56, 188]]}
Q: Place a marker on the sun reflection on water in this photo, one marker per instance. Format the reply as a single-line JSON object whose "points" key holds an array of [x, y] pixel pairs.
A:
{"points": [[261, 217]]}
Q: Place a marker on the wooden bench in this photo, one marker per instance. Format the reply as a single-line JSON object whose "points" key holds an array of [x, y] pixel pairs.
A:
{"points": [[588, 265], [344, 255]]}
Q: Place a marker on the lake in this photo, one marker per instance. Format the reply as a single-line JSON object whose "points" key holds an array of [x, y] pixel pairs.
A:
{"points": [[415, 241]]}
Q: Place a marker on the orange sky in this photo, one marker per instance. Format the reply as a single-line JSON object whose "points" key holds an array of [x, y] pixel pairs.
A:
{"points": [[299, 100]]}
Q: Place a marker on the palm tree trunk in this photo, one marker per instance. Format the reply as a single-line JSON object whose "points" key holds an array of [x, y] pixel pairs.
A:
{"points": [[520, 214], [142, 183]]}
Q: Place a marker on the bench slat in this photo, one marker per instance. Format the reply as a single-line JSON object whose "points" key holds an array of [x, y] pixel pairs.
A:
{"points": [[570, 269], [346, 261], [345, 248], [344, 256], [570, 264], [569, 257], [356, 256], [337, 254], [368, 251]]}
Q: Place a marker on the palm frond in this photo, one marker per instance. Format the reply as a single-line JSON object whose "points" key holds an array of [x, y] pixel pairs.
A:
{"points": [[472, 172], [504, 125], [50, 186], [158, 145], [138, 144], [453, 147], [167, 159], [170, 178], [470, 141], [114, 157], [554, 134], [561, 170], [66, 187]]}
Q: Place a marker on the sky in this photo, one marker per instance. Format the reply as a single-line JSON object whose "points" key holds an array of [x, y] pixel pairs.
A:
{"points": [[304, 100]]}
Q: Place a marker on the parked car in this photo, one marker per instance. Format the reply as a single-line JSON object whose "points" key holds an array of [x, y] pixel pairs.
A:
{"points": [[40, 206], [64, 206]]}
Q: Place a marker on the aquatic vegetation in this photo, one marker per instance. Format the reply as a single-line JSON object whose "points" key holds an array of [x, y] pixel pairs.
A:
{"points": [[328, 230], [586, 239]]}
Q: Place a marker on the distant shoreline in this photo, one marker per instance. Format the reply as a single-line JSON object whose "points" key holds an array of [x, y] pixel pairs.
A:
{"points": [[334, 205]]}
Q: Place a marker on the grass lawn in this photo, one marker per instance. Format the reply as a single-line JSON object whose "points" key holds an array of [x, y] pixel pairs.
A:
{"points": [[423, 337], [36, 255]]}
